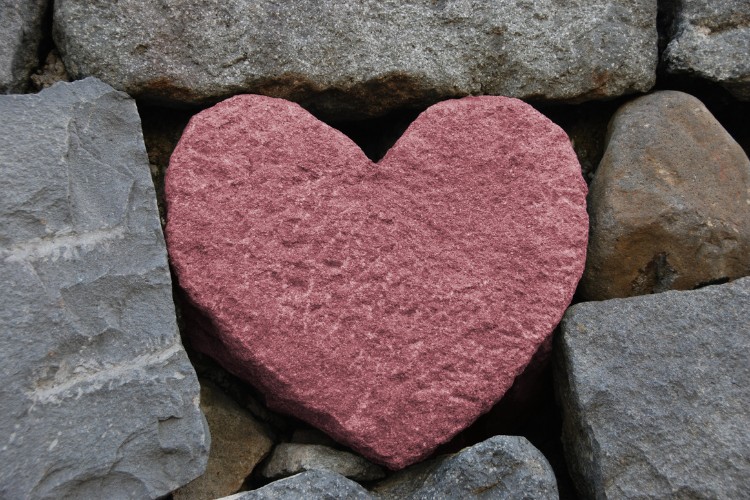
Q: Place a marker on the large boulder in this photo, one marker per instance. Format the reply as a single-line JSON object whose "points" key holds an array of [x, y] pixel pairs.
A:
{"points": [[670, 201], [346, 58], [99, 398], [20, 35], [389, 305], [711, 39], [655, 392]]}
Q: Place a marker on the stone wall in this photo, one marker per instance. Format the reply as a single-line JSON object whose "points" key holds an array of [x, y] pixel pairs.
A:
{"points": [[369, 286]]}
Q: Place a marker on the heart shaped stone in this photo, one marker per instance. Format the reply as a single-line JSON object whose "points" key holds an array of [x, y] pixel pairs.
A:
{"points": [[391, 303]]}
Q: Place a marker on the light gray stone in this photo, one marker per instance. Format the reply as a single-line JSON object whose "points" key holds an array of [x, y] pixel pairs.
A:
{"points": [[313, 485], [99, 399], [346, 58], [20, 36], [292, 458], [670, 202], [711, 39], [502, 467], [655, 392]]}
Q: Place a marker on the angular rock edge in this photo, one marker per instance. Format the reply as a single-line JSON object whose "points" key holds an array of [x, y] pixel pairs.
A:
{"points": [[347, 60], [99, 397], [654, 392]]}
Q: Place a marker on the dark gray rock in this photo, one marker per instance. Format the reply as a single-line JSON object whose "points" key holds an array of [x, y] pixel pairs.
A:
{"points": [[500, 467], [315, 484], [655, 393], [292, 458], [99, 398], [711, 40], [20, 36], [670, 202], [348, 58]]}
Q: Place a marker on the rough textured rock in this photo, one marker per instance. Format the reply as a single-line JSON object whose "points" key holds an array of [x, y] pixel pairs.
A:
{"points": [[346, 58], [20, 36], [314, 484], [50, 73], [99, 398], [500, 467], [387, 304], [238, 444], [655, 393], [670, 202], [711, 39], [292, 458]]}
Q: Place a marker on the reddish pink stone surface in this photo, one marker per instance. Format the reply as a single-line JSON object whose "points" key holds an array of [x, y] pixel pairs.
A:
{"points": [[388, 304]]}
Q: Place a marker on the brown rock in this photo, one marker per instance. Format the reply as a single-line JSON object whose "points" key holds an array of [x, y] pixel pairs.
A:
{"points": [[238, 444], [50, 73], [670, 203]]}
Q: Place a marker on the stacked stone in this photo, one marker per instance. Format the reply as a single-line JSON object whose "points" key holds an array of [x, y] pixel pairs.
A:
{"points": [[388, 304]]}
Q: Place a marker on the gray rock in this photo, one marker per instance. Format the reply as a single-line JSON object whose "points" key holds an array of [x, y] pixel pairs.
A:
{"points": [[346, 58], [655, 394], [711, 39], [670, 202], [238, 444], [292, 458], [99, 398], [500, 467], [313, 485], [20, 36]]}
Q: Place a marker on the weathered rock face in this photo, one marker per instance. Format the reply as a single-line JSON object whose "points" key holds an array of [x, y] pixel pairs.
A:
{"points": [[20, 35], [655, 396], [500, 467], [292, 458], [670, 202], [325, 485], [389, 304], [347, 58], [99, 399], [711, 39], [238, 444]]}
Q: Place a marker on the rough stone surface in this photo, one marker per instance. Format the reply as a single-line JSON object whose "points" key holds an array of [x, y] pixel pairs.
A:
{"points": [[500, 467], [99, 399], [655, 392], [20, 36], [50, 73], [347, 58], [387, 304], [238, 444], [288, 459], [314, 484], [670, 202], [711, 39]]}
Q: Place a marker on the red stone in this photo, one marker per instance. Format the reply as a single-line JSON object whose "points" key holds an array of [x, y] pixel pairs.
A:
{"points": [[388, 304]]}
